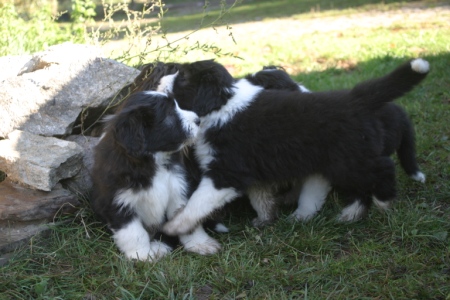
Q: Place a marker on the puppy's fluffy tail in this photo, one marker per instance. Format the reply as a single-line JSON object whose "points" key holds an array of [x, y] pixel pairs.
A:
{"points": [[375, 92]]}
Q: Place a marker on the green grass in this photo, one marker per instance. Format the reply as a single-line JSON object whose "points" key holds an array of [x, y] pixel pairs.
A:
{"points": [[264, 10], [400, 254]]}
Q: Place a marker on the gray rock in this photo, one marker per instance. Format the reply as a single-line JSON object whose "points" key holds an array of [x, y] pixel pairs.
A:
{"points": [[21, 204], [25, 213], [39, 162], [11, 66], [19, 98], [56, 86], [81, 183]]}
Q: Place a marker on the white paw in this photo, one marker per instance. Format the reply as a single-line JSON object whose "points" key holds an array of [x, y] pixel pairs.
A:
{"points": [[153, 252], [419, 176], [209, 246], [384, 205], [179, 225], [200, 242], [297, 216], [256, 222], [353, 212]]}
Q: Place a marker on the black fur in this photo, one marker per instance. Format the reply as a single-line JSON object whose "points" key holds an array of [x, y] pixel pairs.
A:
{"points": [[398, 132], [287, 135], [199, 81]]}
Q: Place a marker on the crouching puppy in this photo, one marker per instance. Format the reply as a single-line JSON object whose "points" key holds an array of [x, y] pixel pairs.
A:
{"points": [[139, 177]]}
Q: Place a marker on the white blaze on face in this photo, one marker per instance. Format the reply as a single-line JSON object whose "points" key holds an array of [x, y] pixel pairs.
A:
{"points": [[166, 83]]}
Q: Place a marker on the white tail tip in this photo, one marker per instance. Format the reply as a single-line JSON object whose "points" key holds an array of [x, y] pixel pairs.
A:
{"points": [[420, 65]]}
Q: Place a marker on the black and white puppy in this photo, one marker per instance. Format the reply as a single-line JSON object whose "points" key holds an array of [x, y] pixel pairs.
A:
{"points": [[398, 136], [247, 139], [139, 177]]}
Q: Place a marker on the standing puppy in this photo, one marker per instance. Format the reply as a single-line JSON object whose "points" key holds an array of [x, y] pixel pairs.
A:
{"points": [[139, 176], [398, 136], [247, 139]]}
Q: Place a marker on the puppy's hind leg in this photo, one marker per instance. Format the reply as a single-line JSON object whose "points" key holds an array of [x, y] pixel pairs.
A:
{"points": [[263, 202], [407, 154], [312, 197], [384, 190]]}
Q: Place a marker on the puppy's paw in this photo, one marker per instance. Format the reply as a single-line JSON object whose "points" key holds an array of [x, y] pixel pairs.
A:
{"points": [[209, 246], [179, 225], [419, 176], [153, 252], [353, 212], [297, 216], [200, 242], [257, 222], [383, 205]]}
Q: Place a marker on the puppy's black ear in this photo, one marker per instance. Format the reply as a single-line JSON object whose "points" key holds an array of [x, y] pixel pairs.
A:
{"points": [[130, 131], [213, 83]]}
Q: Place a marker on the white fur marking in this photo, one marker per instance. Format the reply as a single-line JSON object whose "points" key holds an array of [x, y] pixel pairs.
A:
{"points": [[352, 212], [244, 94], [134, 241], [151, 204], [419, 176], [188, 119], [203, 151], [102, 136], [221, 228], [312, 197], [200, 242], [381, 204], [420, 65], [303, 89], [166, 83], [158, 93], [203, 202]]}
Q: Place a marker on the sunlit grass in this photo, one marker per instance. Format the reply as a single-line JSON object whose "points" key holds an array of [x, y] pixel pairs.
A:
{"points": [[400, 254]]}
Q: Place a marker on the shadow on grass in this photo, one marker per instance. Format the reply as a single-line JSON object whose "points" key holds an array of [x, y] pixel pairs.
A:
{"points": [[179, 18], [188, 16]]}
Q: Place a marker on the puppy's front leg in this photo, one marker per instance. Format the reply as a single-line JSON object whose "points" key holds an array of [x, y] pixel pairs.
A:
{"points": [[198, 241], [133, 241], [202, 203]]}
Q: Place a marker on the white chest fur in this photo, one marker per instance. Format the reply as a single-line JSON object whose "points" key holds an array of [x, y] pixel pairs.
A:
{"points": [[151, 204]]}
